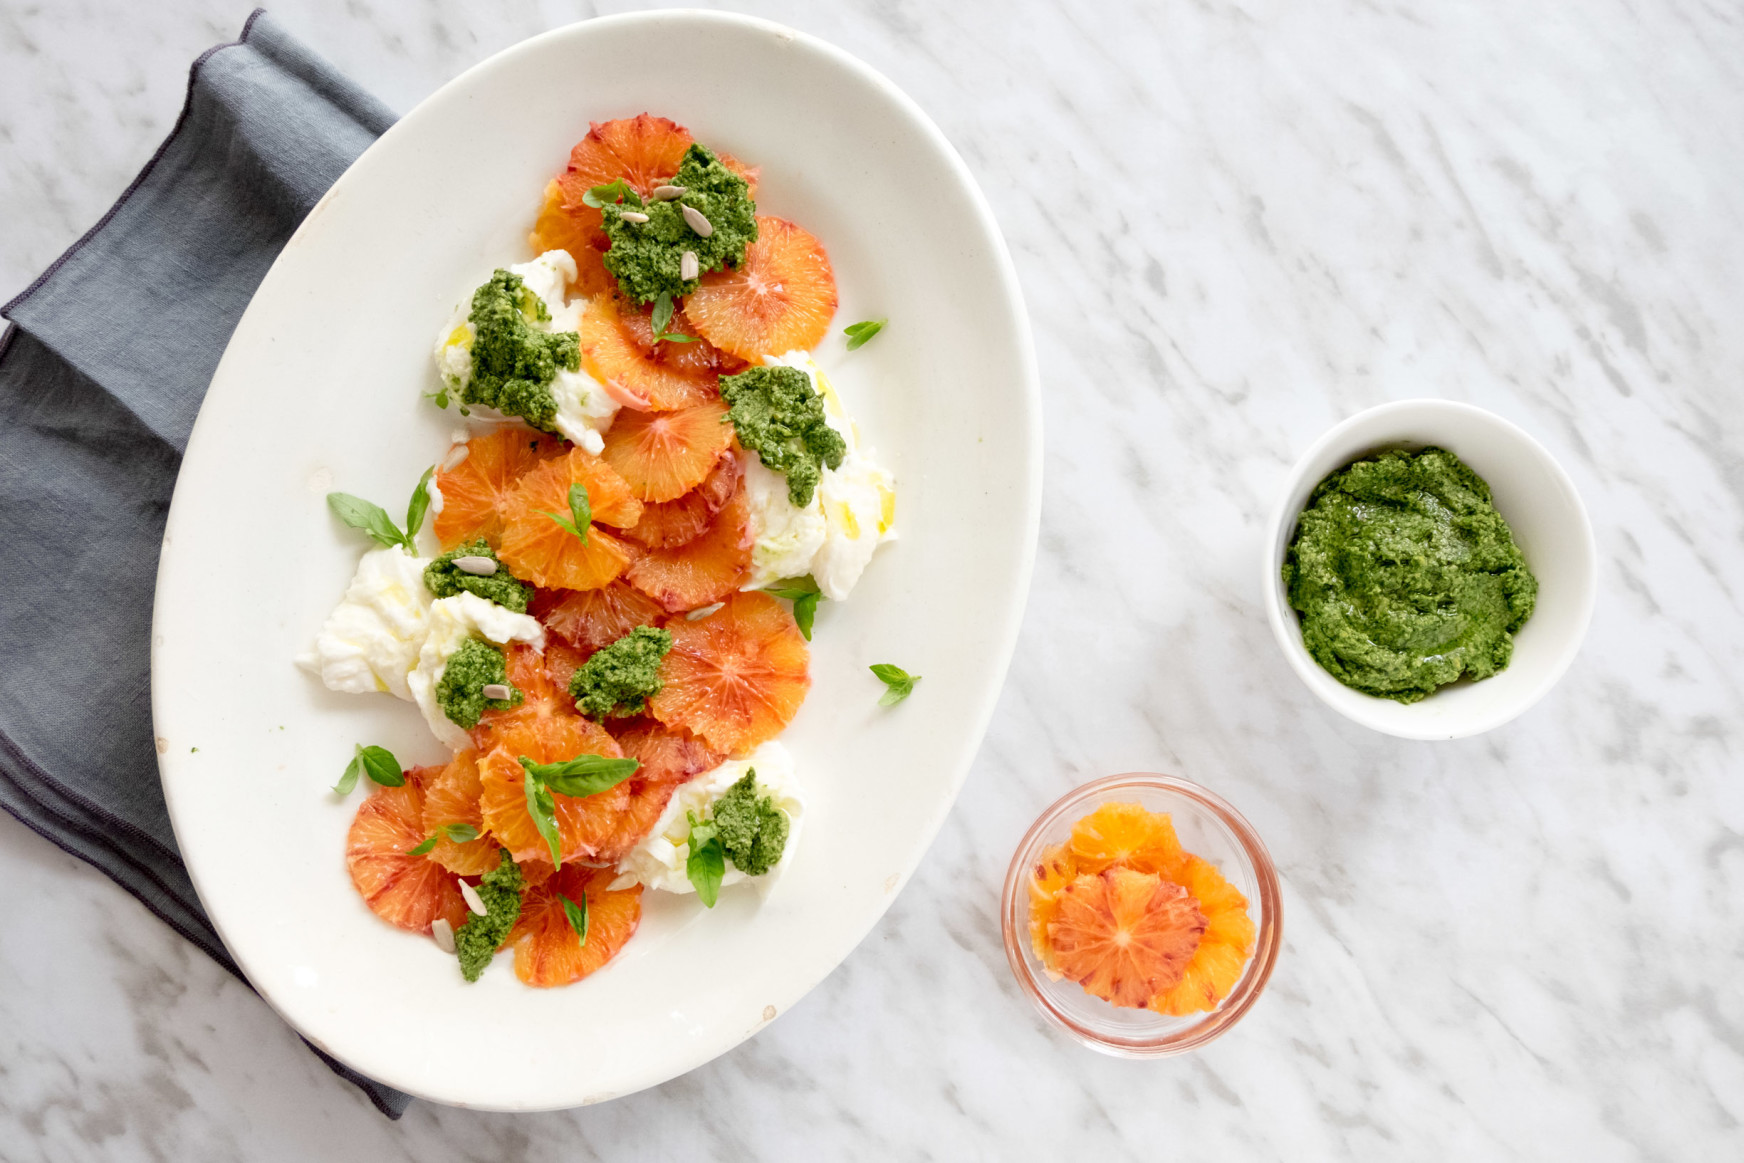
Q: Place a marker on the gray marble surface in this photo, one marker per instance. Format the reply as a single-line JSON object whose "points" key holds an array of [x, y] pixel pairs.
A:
{"points": [[1236, 223]]}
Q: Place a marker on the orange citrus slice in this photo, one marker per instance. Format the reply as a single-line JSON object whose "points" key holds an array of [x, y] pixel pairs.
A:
{"points": [[736, 677], [1123, 935], [781, 298]]}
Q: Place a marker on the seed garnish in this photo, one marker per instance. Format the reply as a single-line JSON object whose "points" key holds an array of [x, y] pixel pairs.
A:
{"points": [[477, 566], [688, 267], [444, 934], [698, 223], [635, 216], [667, 193], [702, 612], [473, 900], [497, 690], [456, 456]]}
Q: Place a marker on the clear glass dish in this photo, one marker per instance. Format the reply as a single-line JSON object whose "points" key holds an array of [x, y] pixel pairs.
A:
{"points": [[1209, 828]]}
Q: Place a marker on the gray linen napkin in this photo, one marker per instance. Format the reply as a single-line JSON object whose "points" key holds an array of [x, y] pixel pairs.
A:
{"points": [[101, 374]]}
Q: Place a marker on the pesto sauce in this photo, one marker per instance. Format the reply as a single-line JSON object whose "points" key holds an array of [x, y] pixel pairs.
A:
{"points": [[779, 415], [620, 679], [513, 361], [752, 830], [460, 690], [444, 579], [1405, 577], [645, 256], [477, 941]]}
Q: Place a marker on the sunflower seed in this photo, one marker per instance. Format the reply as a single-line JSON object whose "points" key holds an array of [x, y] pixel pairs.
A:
{"points": [[473, 900], [456, 456], [497, 690], [688, 267], [700, 613], [476, 566], [635, 216], [667, 193], [698, 223], [444, 934]]}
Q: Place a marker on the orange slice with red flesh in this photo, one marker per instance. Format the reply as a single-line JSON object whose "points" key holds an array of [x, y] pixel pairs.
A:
{"points": [[698, 357], [643, 150], [594, 619], [1127, 835], [474, 490], [670, 759], [612, 352], [780, 299], [1222, 955], [663, 455], [548, 951], [562, 660], [703, 570], [538, 549], [451, 797], [1052, 872], [403, 890], [736, 677], [559, 228], [669, 524], [1124, 935]]}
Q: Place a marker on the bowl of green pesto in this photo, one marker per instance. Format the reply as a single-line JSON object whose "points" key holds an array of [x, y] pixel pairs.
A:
{"points": [[1431, 569]]}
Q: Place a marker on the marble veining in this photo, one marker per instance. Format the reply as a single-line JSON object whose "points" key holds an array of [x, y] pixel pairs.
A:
{"points": [[1236, 222]]}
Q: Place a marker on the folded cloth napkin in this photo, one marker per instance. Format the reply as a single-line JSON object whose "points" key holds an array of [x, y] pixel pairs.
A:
{"points": [[101, 373]]}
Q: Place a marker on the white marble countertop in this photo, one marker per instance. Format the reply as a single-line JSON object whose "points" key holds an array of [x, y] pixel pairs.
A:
{"points": [[1236, 222]]}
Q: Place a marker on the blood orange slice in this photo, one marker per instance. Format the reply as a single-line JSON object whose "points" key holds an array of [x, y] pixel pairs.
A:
{"points": [[451, 797], [703, 570], [403, 890], [474, 490], [1128, 835], [1052, 873], [540, 550], [559, 228], [1123, 935], [670, 759], [663, 455], [642, 150], [781, 298], [592, 619], [613, 353], [669, 524], [736, 677], [1207, 980], [548, 952], [698, 357]]}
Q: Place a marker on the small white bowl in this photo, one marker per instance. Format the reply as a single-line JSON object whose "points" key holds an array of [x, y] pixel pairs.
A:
{"points": [[1549, 523]]}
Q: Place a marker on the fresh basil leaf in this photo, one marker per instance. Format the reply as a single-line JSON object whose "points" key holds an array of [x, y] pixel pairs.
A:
{"points": [[544, 813], [371, 518], [899, 683], [662, 313], [793, 588], [353, 770], [422, 848], [459, 833], [380, 765], [805, 613], [860, 333], [420, 504], [705, 867], [613, 191], [585, 775], [577, 914], [581, 509], [674, 337]]}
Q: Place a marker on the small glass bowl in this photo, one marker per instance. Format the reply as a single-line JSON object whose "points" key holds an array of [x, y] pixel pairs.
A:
{"points": [[1209, 828]]}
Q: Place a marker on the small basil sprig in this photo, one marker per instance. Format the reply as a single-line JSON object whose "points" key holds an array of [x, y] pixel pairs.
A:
{"points": [[663, 316], [859, 334], [898, 682], [580, 509], [804, 594], [616, 190], [585, 775], [707, 862], [376, 762], [577, 914], [374, 520], [459, 833]]}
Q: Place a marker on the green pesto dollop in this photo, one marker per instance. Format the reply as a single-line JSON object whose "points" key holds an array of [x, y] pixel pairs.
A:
{"points": [[645, 256], [752, 830], [477, 941], [460, 690], [514, 362], [1405, 577], [445, 579], [620, 679], [779, 414]]}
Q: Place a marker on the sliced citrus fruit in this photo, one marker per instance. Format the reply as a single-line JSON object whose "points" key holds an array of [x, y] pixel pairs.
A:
{"points": [[539, 549], [592, 619], [1207, 980], [548, 951], [403, 890], [781, 298], [474, 490], [559, 228], [751, 174], [669, 524], [1123, 935], [451, 797], [670, 759], [698, 357], [663, 455], [736, 677], [703, 570], [642, 150], [1225, 909], [1128, 835], [1053, 871], [562, 660], [583, 823], [612, 352]]}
